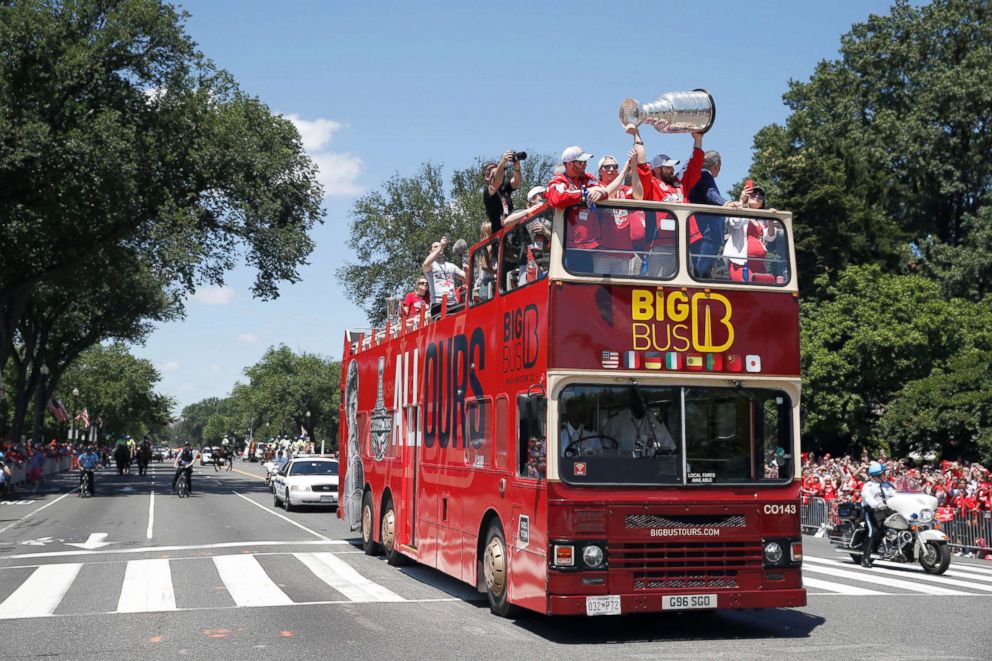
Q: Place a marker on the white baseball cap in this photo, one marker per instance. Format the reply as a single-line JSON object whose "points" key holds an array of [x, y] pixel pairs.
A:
{"points": [[662, 161], [536, 190], [574, 153]]}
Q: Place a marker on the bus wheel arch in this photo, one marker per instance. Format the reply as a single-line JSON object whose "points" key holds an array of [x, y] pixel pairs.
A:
{"points": [[369, 544]]}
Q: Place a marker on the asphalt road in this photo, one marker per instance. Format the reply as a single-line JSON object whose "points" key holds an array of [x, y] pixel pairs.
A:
{"points": [[90, 579]]}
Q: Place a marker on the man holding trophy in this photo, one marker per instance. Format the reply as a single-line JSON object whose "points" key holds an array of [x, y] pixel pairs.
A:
{"points": [[673, 112]]}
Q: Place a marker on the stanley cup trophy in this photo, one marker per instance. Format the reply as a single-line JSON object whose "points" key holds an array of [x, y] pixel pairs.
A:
{"points": [[672, 112]]}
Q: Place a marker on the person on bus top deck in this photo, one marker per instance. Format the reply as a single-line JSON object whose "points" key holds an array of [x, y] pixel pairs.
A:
{"points": [[574, 186], [441, 275], [659, 183], [497, 196], [619, 229], [746, 239], [874, 497], [417, 299], [706, 232]]}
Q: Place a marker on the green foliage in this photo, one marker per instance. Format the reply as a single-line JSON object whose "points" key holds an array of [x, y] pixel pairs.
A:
{"points": [[118, 388], [392, 229], [281, 388], [889, 143], [947, 411], [870, 335]]}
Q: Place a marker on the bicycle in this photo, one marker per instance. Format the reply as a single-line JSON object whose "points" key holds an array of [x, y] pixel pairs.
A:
{"points": [[182, 484]]}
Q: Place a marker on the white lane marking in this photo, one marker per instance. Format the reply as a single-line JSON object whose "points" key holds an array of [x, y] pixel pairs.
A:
{"points": [[247, 582], [840, 588], [865, 576], [918, 573], [283, 517], [151, 514], [972, 570], [41, 593], [33, 512], [344, 578], [147, 587], [159, 549]]}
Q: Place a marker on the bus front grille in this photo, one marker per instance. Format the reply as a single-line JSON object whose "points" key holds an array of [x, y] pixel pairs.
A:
{"points": [[685, 559], [664, 581]]}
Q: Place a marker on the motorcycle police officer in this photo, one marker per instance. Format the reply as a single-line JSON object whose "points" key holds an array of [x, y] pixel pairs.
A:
{"points": [[874, 497]]}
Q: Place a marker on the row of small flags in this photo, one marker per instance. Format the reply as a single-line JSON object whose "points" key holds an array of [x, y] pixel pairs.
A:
{"points": [[673, 360], [59, 412]]}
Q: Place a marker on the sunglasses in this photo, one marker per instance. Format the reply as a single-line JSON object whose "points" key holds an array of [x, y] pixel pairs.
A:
{"points": [[421, 284], [610, 167]]}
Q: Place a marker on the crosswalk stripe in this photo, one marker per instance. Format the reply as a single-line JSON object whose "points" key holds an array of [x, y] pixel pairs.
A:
{"points": [[247, 582], [841, 588], [971, 570], [342, 577], [837, 570], [953, 571], [41, 593], [918, 573], [147, 587]]}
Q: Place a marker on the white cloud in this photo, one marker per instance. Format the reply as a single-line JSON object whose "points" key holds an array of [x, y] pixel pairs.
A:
{"points": [[337, 172], [214, 295], [248, 338], [171, 366], [316, 134]]}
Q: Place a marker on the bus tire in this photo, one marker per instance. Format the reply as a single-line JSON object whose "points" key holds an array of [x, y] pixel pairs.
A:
{"points": [[387, 531], [368, 516], [495, 567]]}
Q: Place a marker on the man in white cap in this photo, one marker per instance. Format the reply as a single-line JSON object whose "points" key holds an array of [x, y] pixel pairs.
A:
{"points": [[660, 183], [575, 186]]}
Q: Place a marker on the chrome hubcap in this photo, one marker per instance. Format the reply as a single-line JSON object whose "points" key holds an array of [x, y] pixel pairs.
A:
{"points": [[388, 529], [494, 566], [367, 524]]}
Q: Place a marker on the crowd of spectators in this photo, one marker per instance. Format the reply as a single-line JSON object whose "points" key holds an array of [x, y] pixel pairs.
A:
{"points": [[32, 455], [959, 486]]}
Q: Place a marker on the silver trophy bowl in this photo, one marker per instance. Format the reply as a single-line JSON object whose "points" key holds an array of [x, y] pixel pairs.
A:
{"points": [[672, 112]]}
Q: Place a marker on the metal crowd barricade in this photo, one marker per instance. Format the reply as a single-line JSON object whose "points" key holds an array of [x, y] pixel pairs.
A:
{"points": [[971, 530], [813, 514]]}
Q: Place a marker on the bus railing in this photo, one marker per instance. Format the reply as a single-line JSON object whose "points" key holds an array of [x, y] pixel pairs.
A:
{"points": [[967, 530]]}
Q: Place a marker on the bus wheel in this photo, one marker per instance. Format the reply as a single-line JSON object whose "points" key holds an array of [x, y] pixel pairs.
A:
{"points": [[393, 556], [495, 568], [368, 542]]}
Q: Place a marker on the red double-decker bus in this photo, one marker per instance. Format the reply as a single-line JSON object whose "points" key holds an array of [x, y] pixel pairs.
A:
{"points": [[600, 427]]}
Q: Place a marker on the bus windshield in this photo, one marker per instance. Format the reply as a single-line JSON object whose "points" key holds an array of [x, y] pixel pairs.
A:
{"points": [[677, 435]]}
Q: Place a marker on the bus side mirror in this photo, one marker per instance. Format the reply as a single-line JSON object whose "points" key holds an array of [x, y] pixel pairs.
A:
{"points": [[536, 390]]}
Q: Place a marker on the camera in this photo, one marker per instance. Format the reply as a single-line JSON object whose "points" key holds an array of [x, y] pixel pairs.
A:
{"points": [[519, 156]]}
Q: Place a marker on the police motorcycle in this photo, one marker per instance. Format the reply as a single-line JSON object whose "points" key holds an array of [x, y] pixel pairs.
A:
{"points": [[909, 532]]}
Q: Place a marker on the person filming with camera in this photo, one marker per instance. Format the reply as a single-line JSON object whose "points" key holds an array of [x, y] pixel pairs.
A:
{"points": [[497, 196], [874, 497]]}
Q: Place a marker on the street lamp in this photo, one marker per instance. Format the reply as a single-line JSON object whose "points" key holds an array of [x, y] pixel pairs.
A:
{"points": [[39, 403]]}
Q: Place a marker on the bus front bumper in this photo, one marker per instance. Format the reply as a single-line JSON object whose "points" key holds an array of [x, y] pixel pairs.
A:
{"points": [[655, 603]]}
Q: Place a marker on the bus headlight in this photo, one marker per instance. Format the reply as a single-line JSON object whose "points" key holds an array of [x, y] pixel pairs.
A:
{"points": [[773, 553], [593, 556]]}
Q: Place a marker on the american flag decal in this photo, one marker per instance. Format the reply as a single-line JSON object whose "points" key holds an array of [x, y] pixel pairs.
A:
{"points": [[611, 360]]}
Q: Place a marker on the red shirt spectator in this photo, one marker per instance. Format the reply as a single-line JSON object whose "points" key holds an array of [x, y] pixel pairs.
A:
{"points": [[416, 300]]}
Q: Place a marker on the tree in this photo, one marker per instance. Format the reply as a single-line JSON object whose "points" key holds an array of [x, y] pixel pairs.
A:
{"points": [[118, 388], [392, 229], [871, 335], [947, 411], [889, 144], [118, 136], [283, 386]]}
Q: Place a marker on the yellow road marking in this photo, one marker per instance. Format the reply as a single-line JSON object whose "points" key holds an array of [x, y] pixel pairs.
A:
{"points": [[248, 474]]}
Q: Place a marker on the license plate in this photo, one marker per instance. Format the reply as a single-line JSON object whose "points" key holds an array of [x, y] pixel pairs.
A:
{"points": [[688, 601], [608, 605], [327, 499]]}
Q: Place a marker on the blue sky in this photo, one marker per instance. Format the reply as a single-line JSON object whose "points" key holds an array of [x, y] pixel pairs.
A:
{"points": [[380, 87]]}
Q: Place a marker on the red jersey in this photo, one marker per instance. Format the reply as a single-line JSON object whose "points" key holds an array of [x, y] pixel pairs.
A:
{"points": [[412, 304], [563, 191], [658, 191], [620, 229]]}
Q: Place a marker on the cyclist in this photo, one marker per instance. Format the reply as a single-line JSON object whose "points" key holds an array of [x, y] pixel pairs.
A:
{"points": [[88, 461], [184, 462]]}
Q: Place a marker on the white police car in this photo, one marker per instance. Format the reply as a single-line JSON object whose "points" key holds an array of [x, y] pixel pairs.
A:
{"points": [[309, 481]]}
